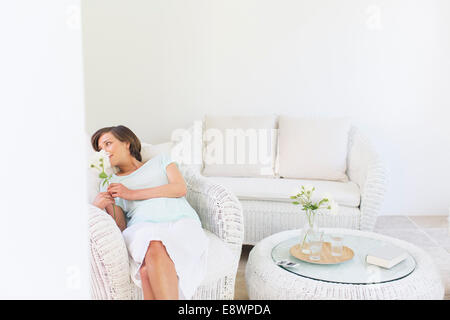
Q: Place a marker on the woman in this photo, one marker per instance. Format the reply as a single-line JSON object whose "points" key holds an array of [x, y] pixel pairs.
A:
{"points": [[162, 231]]}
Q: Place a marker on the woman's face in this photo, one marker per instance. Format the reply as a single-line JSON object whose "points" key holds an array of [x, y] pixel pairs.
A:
{"points": [[118, 150]]}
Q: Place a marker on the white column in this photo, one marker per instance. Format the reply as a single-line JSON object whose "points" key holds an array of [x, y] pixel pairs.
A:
{"points": [[43, 214]]}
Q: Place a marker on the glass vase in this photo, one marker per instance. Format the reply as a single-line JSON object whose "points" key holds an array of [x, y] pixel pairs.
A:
{"points": [[310, 230]]}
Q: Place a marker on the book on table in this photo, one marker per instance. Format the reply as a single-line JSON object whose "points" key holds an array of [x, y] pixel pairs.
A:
{"points": [[386, 257]]}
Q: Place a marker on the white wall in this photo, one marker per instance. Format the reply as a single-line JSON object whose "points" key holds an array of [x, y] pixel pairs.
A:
{"points": [[43, 237], [155, 66]]}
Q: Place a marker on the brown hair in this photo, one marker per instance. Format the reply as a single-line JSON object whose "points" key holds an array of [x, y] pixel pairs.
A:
{"points": [[123, 134]]}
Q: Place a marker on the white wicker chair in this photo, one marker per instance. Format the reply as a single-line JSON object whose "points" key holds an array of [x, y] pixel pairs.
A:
{"points": [[221, 215]]}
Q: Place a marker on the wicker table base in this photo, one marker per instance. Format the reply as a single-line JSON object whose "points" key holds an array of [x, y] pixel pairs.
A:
{"points": [[266, 280]]}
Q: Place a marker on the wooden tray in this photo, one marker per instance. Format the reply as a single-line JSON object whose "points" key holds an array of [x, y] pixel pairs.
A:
{"points": [[325, 254]]}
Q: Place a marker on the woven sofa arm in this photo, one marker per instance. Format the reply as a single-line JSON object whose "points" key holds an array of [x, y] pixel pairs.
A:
{"points": [[366, 169], [219, 210], [110, 276]]}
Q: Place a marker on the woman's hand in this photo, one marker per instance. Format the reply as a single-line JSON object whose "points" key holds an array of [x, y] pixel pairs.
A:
{"points": [[119, 190], [102, 200]]}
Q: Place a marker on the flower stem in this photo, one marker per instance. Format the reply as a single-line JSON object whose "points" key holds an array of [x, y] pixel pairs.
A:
{"points": [[97, 167], [310, 218], [114, 206], [303, 242]]}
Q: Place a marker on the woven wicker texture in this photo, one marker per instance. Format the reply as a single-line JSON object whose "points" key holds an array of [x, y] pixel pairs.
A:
{"points": [[265, 280], [264, 218], [365, 168], [220, 213]]}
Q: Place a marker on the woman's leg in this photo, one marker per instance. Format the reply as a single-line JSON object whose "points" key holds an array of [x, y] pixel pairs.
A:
{"points": [[146, 286], [161, 272]]}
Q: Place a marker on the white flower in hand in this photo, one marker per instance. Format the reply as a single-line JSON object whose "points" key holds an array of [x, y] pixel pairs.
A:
{"points": [[100, 161], [105, 157]]}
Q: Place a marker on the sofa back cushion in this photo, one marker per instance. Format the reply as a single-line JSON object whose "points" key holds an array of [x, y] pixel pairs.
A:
{"points": [[313, 148], [148, 150], [187, 145], [239, 146]]}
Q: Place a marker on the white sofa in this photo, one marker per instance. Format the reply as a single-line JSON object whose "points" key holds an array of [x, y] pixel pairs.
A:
{"points": [[221, 216], [328, 153]]}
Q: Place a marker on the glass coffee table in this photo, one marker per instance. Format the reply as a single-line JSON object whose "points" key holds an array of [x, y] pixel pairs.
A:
{"points": [[354, 271], [414, 278]]}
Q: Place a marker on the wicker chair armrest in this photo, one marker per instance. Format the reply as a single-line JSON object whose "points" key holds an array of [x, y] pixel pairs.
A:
{"points": [[219, 210], [110, 276], [366, 169]]}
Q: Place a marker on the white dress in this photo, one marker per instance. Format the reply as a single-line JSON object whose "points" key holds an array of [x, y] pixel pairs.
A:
{"points": [[170, 220], [185, 242]]}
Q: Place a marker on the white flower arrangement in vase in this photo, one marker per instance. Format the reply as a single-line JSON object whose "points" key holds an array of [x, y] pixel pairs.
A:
{"points": [[303, 197]]}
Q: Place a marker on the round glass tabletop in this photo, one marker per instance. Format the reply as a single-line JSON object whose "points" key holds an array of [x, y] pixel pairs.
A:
{"points": [[354, 271]]}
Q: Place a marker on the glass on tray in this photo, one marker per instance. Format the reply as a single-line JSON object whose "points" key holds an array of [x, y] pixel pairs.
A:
{"points": [[315, 245], [337, 245]]}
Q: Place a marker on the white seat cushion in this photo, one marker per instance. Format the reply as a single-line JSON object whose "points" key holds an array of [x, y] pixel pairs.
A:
{"points": [[219, 259], [344, 193]]}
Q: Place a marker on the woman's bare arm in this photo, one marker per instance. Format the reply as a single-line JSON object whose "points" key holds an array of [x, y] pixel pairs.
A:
{"points": [[176, 187], [120, 216]]}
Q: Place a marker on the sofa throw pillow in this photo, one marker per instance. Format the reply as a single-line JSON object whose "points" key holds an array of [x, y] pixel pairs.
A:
{"points": [[148, 150], [188, 145], [239, 146], [313, 148]]}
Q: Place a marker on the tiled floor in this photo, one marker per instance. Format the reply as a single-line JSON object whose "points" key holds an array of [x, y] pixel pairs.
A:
{"points": [[431, 233]]}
